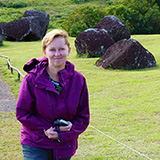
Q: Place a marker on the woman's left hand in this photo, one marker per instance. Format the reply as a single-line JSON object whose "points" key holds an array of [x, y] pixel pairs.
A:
{"points": [[51, 134], [66, 128]]}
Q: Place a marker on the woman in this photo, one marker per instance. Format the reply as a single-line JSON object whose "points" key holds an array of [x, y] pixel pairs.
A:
{"points": [[52, 90]]}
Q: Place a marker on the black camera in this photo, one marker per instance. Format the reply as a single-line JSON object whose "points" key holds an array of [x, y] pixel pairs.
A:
{"points": [[61, 122]]}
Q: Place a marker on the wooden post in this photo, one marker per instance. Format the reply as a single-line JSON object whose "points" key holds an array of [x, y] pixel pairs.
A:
{"points": [[11, 70], [19, 76], [8, 65]]}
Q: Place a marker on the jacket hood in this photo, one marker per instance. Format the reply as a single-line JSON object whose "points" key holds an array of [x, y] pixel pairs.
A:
{"points": [[33, 64], [36, 64]]}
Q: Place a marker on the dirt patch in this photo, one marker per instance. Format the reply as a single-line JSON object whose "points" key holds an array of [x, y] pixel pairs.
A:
{"points": [[7, 100]]}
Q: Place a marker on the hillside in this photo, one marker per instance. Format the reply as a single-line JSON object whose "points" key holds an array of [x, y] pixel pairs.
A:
{"points": [[58, 10], [140, 18]]}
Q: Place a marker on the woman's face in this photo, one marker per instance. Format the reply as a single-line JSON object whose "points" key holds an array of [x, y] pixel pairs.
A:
{"points": [[57, 52]]}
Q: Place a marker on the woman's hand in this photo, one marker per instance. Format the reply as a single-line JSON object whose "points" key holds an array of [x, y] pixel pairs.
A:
{"points": [[51, 134], [66, 128]]}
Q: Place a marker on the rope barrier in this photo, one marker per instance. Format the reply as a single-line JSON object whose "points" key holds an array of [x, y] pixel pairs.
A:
{"points": [[120, 142]]}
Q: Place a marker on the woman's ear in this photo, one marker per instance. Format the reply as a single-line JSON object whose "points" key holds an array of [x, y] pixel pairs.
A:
{"points": [[69, 50], [44, 51]]}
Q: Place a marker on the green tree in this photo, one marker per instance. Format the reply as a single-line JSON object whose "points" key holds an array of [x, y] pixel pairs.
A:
{"points": [[141, 16], [82, 18]]}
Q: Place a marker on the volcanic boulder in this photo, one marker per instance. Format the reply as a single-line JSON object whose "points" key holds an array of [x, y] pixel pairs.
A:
{"points": [[115, 27], [93, 41], [2, 25], [1, 41], [127, 54], [43, 19], [32, 26], [24, 29]]}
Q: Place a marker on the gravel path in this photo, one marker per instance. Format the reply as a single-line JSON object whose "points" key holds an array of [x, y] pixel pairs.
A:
{"points": [[7, 100]]}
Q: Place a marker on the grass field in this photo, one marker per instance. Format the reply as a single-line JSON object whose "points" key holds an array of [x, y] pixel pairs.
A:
{"points": [[124, 105]]}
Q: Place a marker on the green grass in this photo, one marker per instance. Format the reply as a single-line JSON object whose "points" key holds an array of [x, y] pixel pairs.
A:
{"points": [[123, 104]]}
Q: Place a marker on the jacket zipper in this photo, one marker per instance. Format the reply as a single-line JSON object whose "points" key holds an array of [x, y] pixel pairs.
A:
{"points": [[50, 103]]}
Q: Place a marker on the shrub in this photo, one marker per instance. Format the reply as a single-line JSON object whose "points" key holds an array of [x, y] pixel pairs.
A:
{"points": [[158, 3], [110, 2], [79, 1], [82, 18], [123, 13], [39, 8], [2, 4], [140, 16], [154, 1], [16, 4]]}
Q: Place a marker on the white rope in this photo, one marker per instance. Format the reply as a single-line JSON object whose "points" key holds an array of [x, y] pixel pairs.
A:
{"points": [[120, 142]]}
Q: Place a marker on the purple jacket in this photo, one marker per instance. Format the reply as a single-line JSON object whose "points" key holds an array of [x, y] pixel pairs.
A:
{"points": [[39, 105]]}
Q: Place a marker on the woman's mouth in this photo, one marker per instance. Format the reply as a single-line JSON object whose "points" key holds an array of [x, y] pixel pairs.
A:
{"points": [[57, 58]]}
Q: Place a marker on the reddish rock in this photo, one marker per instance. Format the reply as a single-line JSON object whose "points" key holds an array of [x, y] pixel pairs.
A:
{"points": [[93, 41], [32, 26], [127, 54], [115, 27], [23, 29]]}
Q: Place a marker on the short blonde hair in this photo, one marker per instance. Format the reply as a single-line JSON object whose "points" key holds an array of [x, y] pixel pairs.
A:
{"points": [[50, 36]]}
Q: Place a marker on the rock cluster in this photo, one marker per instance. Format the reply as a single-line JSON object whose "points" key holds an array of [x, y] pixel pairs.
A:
{"points": [[110, 39], [32, 26], [99, 38]]}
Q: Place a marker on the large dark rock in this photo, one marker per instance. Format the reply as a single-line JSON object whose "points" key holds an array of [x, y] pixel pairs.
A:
{"points": [[93, 41], [32, 26], [2, 25], [115, 27], [43, 19], [127, 54], [24, 29], [1, 41]]}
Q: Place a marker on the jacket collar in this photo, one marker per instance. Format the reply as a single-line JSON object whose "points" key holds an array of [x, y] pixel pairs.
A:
{"points": [[38, 67]]}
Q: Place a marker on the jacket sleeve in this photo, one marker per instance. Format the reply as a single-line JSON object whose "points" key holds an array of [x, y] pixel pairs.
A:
{"points": [[25, 110], [81, 121]]}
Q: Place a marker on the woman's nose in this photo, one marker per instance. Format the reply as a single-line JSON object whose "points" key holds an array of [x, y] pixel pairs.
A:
{"points": [[57, 52]]}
